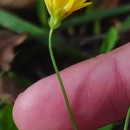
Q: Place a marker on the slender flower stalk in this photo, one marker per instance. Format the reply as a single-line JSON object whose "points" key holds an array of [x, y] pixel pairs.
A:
{"points": [[59, 10], [60, 82]]}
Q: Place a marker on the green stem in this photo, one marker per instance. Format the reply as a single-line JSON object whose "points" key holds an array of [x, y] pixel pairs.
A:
{"points": [[127, 120], [60, 81]]}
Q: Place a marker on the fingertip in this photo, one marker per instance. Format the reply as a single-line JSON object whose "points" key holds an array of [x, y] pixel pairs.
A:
{"points": [[40, 107]]}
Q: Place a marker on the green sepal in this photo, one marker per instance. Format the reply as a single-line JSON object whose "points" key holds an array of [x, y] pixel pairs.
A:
{"points": [[54, 22]]}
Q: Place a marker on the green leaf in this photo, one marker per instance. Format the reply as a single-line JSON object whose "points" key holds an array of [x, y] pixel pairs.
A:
{"points": [[110, 40], [6, 119], [18, 25], [108, 127]]}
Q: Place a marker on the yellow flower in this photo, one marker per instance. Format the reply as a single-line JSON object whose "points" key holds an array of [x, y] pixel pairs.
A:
{"points": [[60, 9]]}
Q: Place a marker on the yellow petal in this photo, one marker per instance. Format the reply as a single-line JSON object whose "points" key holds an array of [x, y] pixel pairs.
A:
{"points": [[63, 4], [47, 5], [77, 1], [79, 5]]}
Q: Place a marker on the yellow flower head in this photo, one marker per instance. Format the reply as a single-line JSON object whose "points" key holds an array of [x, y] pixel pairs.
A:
{"points": [[60, 9]]}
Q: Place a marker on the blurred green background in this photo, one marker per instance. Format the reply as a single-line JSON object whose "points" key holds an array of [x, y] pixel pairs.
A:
{"points": [[24, 55]]}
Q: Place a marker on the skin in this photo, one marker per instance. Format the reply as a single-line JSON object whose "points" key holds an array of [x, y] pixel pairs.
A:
{"points": [[98, 90]]}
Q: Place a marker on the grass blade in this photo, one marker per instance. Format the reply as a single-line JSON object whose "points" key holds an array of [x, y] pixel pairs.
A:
{"points": [[127, 120], [95, 15]]}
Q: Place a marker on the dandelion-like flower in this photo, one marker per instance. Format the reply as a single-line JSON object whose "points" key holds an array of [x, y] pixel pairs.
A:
{"points": [[60, 9]]}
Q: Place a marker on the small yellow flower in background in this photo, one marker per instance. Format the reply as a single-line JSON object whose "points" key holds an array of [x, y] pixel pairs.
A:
{"points": [[60, 9]]}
